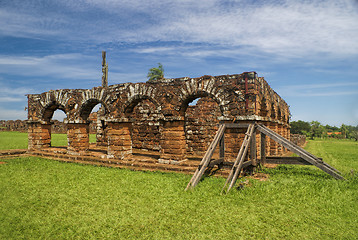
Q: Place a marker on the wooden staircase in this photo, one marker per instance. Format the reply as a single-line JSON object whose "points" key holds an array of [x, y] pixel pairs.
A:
{"points": [[304, 158]]}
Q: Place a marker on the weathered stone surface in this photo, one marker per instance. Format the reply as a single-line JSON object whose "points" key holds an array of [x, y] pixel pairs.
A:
{"points": [[298, 139], [157, 115]]}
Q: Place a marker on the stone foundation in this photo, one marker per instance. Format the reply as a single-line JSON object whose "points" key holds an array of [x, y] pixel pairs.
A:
{"points": [[39, 135]]}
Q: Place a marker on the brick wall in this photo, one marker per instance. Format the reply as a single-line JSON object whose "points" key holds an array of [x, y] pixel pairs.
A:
{"points": [[298, 139]]}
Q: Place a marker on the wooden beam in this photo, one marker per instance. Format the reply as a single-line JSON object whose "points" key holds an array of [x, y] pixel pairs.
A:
{"points": [[300, 152], [241, 156], [253, 148], [222, 146], [287, 160], [216, 162], [237, 125], [263, 148], [206, 159], [237, 166]]}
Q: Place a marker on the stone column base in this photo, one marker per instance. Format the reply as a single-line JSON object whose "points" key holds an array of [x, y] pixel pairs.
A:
{"points": [[119, 139], [39, 135], [172, 142], [77, 137]]}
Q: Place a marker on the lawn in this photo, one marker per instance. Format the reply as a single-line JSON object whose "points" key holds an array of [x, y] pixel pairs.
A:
{"points": [[18, 140], [54, 200]]}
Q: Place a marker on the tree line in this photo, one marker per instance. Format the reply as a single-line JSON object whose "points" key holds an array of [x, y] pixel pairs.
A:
{"points": [[315, 129]]}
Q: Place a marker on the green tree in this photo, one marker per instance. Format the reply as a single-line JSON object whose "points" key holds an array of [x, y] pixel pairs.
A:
{"points": [[317, 129], [354, 135], [344, 130], [156, 73], [300, 127]]}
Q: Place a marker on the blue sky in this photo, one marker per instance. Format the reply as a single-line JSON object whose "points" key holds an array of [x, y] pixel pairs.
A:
{"points": [[306, 50]]}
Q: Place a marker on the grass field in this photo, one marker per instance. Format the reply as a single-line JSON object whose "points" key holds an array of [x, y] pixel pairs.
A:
{"points": [[18, 140], [53, 200]]}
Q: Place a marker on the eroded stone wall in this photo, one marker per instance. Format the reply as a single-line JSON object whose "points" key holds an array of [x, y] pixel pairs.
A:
{"points": [[201, 124], [146, 127], [56, 126], [156, 115]]}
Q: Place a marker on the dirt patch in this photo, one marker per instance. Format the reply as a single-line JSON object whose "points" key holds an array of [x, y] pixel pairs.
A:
{"points": [[270, 165], [2, 162], [260, 176]]}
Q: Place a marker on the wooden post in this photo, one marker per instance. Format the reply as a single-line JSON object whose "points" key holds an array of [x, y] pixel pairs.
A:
{"points": [[253, 149], [104, 70], [263, 149], [222, 147]]}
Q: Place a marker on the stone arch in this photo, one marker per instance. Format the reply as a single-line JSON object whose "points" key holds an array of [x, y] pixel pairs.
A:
{"points": [[205, 87], [137, 93], [144, 113], [50, 102], [87, 107], [90, 99]]}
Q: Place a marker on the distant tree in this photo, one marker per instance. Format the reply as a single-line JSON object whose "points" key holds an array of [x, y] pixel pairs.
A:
{"points": [[317, 129], [344, 130], [354, 135], [331, 128], [156, 73], [300, 127]]}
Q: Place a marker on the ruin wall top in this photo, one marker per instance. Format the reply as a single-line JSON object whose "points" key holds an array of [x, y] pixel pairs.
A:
{"points": [[239, 96]]}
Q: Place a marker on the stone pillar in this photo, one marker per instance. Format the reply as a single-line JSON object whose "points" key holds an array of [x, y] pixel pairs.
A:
{"points": [[273, 144], [39, 135], [172, 142], [101, 135], [77, 137], [119, 139]]}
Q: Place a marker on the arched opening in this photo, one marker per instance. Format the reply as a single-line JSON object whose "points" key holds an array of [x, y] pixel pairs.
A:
{"points": [[94, 111], [54, 130], [58, 129], [97, 126], [201, 119], [145, 131]]}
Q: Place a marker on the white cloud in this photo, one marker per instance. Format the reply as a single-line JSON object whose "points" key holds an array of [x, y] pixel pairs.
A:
{"points": [[320, 90], [10, 114], [11, 99], [289, 29], [69, 66]]}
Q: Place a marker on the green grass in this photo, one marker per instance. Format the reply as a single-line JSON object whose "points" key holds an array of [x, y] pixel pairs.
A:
{"points": [[54, 200], [340, 153], [13, 140], [18, 140]]}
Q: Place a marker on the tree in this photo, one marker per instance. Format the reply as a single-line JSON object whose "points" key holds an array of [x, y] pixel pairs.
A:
{"points": [[317, 129], [354, 135], [300, 127], [344, 130], [156, 73]]}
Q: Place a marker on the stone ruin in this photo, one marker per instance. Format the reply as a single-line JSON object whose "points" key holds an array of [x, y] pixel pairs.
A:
{"points": [[157, 116]]}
